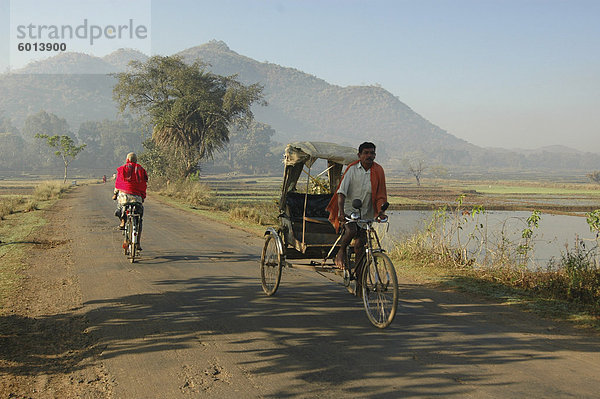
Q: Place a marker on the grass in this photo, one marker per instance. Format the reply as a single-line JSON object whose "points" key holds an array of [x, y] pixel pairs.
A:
{"points": [[569, 289], [20, 218], [235, 210], [558, 309], [261, 214], [9, 205], [398, 200], [220, 216], [15, 232], [49, 190]]}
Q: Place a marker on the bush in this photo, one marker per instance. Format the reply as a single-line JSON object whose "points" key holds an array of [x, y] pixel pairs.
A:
{"points": [[9, 206], [192, 192], [582, 276], [49, 190], [31, 205], [594, 176]]}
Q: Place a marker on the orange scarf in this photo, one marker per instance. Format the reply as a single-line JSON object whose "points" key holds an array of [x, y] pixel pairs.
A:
{"points": [[378, 193]]}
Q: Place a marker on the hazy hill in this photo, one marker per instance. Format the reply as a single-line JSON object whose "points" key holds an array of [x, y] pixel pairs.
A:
{"points": [[556, 149], [77, 98], [72, 85], [69, 63], [301, 107], [83, 64], [120, 58]]}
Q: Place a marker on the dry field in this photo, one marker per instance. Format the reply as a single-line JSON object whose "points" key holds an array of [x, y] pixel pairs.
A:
{"points": [[405, 194]]}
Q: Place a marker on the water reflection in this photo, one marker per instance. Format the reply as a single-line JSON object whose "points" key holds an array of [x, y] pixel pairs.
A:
{"points": [[484, 231]]}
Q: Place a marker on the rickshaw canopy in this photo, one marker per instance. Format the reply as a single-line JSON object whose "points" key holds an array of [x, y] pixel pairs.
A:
{"points": [[307, 152]]}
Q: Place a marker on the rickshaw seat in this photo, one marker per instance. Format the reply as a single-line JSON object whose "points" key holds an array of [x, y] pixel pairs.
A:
{"points": [[315, 205], [319, 230]]}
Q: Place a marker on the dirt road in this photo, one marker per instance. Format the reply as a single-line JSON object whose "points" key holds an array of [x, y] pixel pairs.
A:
{"points": [[190, 320]]}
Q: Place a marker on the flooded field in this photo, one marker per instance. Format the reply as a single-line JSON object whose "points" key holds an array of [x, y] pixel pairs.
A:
{"points": [[554, 234]]}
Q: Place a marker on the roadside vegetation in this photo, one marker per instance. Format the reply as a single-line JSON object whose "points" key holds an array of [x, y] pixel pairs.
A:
{"points": [[19, 217], [454, 249], [202, 197]]}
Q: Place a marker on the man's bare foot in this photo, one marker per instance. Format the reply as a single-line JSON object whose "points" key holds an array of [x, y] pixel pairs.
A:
{"points": [[339, 262]]}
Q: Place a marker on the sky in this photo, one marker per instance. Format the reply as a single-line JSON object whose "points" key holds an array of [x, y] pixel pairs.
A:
{"points": [[497, 73]]}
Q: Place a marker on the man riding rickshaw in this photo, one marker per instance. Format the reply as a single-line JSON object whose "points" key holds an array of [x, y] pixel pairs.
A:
{"points": [[305, 230]]}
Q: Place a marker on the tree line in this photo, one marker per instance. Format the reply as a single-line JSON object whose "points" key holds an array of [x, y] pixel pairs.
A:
{"points": [[176, 116]]}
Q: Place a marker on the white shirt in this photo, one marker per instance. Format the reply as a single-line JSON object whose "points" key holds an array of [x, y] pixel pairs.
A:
{"points": [[357, 184]]}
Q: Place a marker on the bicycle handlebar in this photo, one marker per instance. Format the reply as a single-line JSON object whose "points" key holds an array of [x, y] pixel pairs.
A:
{"points": [[351, 220]]}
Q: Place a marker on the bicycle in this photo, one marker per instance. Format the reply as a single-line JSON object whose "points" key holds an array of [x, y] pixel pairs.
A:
{"points": [[133, 228], [377, 273]]}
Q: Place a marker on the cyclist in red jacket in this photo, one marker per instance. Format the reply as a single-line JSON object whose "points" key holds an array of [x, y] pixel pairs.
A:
{"points": [[130, 186]]}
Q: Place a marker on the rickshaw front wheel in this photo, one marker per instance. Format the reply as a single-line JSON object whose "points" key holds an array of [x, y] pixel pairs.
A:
{"points": [[271, 263], [380, 290]]}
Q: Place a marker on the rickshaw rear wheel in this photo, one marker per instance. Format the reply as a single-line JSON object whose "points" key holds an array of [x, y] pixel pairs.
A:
{"points": [[380, 290], [271, 263]]}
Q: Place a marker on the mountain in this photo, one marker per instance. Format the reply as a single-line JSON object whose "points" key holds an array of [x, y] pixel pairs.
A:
{"points": [[68, 63], [83, 64], [302, 105], [75, 97], [120, 58], [555, 149], [78, 87]]}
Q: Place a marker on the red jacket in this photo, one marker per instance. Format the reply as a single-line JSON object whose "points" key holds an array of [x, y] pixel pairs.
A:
{"points": [[132, 179]]}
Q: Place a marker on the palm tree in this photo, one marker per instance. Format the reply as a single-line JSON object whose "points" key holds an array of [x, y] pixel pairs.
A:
{"points": [[191, 109]]}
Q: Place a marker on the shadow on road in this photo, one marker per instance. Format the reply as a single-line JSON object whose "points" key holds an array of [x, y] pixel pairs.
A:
{"points": [[221, 256], [44, 345], [317, 331]]}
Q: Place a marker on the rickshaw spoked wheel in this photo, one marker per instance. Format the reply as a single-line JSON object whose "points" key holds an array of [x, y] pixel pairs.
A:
{"points": [[271, 263], [380, 290]]}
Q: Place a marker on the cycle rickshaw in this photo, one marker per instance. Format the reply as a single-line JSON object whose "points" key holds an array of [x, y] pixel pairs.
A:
{"points": [[306, 238]]}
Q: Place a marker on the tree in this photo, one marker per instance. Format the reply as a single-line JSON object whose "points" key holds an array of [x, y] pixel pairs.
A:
{"points": [[160, 161], [67, 150], [109, 141], [249, 148], [11, 145], [416, 166], [11, 151], [44, 123], [6, 125], [594, 176], [191, 109]]}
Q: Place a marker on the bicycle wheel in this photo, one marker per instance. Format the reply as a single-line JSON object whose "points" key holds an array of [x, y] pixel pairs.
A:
{"points": [[131, 222], [271, 263], [127, 236], [380, 290]]}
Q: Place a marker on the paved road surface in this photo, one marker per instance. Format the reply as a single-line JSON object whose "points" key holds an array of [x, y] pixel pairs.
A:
{"points": [[191, 320]]}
